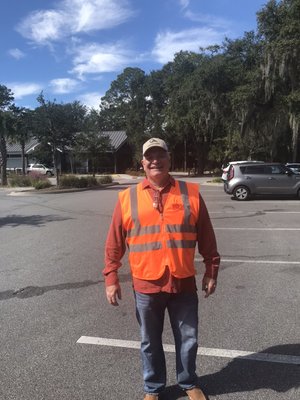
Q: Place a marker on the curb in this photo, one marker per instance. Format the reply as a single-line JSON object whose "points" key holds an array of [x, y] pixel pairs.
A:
{"points": [[15, 191], [57, 191]]}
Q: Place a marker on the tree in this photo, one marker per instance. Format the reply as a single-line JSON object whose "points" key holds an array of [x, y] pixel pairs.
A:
{"points": [[23, 125], [245, 133], [156, 101], [279, 27], [176, 129], [124, 107], [6, 128], [91, 143], [57, 125], [238, 100], [197, 95]]}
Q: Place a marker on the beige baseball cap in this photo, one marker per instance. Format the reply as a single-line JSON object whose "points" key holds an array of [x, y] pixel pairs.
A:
{"points": [[154, 142]]}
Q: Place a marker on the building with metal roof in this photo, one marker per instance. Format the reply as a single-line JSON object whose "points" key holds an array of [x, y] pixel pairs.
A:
{"points": [[117, 138], [14, 154], [114, 162], [118, 141], [15, 148]]}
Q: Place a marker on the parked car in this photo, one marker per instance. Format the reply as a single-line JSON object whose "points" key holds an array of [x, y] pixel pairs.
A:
{"points": [[246, 180], [295, 167], [40, 169], [225, 167]]}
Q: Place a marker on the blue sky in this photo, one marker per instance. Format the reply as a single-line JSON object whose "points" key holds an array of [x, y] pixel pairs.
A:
{"points": [[74, 49]]}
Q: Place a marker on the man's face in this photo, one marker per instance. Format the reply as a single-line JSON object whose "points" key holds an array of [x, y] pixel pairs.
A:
{"points": [[156, 163]]}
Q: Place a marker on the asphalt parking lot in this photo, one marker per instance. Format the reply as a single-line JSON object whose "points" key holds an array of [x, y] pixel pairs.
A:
{"points": [[61, 340]]}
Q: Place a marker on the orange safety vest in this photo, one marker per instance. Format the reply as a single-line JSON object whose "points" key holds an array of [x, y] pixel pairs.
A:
{"points": [[157, 240]]}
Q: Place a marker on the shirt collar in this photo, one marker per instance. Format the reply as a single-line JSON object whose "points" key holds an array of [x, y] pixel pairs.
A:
{"points": [[146, 183]]}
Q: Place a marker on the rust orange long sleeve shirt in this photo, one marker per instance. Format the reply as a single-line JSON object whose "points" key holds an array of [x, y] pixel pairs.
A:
{"points": [[116, 246]]}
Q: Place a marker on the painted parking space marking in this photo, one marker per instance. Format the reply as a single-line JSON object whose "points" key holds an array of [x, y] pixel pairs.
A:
{"points": [[258, 213], [273, 201], [234, 260], [256, 229], [202, 351]]}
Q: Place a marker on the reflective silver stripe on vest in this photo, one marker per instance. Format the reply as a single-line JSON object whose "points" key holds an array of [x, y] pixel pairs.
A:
{"points": [[181, 228], [181, 244], [139, 230], [185, 201], [133, 203], [140, 248], [185, 227]]}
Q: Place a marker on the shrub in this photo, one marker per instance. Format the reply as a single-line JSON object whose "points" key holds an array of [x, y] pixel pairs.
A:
{"points": [[105, 179], [92, 181], [34, 175], [68, 181], [19, 180], [134, 172], [82, 182], [216, 180], [41, 184], [39, 181], [72, 181]]}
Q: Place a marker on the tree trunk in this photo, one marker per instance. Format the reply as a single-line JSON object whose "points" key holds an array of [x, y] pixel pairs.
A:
{"points": [[4, 160], [202, 151], [294, 124], [94, 167], [23, 157], [54, 160]]}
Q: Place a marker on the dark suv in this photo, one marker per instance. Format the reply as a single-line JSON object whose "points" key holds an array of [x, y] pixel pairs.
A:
{"points": [[245, 180]]}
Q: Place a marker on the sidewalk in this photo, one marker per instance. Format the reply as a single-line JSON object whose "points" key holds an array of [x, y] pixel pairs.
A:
{"points": [[117, 179], [176, 175]]}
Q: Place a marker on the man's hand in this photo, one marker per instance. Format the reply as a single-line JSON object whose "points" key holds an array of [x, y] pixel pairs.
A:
{"points": [[113, 292], [209, 285]]}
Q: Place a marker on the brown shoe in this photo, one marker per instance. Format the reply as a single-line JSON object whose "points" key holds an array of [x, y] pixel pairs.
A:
{"points": [[149, 396], [196, 394]]}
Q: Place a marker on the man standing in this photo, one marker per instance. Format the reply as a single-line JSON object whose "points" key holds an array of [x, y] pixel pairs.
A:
{"points": [[160, 221]]}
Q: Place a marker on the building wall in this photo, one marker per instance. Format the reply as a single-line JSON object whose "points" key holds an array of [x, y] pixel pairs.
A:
{"points": [[15, 161]]}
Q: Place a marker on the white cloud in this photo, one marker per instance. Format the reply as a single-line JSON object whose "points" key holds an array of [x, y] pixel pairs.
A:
{"points": [[91, 100], [212, 21], [97, 14], [64, 85], [43, 26], [184, 3], [94, 59], [16, 53], [72, 17], [21, 90], [169, 43]]}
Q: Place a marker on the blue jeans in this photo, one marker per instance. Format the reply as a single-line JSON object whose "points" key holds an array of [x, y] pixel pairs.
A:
{"points": [[183, 313]]}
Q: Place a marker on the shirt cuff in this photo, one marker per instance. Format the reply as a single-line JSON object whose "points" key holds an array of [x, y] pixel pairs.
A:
{"points": [[111, 279], [212, 271]]}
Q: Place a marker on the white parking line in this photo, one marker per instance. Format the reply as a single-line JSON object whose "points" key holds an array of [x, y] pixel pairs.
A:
{"points": [[259, 213], [272, 202], [234, 260], [256, 229], [203, 351]]}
